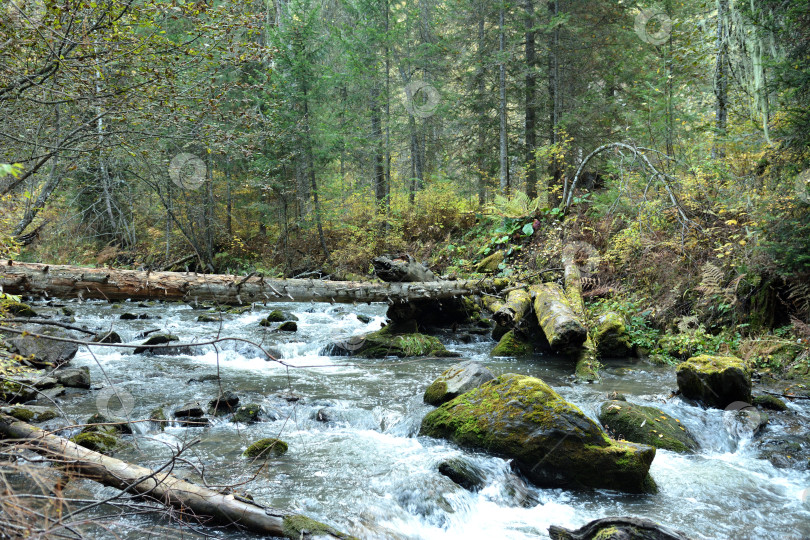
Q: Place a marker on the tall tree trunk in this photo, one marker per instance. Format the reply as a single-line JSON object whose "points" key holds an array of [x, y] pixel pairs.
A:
{"points": [[531, 111], [310, 167], [721, 79], [482, 115], [378, 159], [670, 97], [504, 165], [553, 90]]}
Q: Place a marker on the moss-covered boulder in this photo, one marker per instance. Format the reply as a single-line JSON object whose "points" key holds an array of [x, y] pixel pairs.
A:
{"points": [[490, 264], [288, 326], [767, 401], [104, 442], [12, 308], [715, 381], [610, 336], [550, 441], [209, 317], [298, 526], [247, 414], [100, 422], [389, 342], [513, 343], [158, 416], [265, 448], [275, 316], [456, 380], [646, 425], [29, 413]]}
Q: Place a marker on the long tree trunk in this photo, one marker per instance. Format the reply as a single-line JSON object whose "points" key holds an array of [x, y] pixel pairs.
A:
{"points": [[75, 281], [721, 79], [195, 502], [482, 114], [504, 166], [553, 90], [378, 159], [531, 110]]}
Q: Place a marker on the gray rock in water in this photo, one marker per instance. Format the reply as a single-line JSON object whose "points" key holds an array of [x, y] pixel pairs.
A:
{"points": [[456, 380], [74, 377], [224, 404], [618, 528], [45, 352], [189, 410], [107, 337], [463, 473], [160, 339]]}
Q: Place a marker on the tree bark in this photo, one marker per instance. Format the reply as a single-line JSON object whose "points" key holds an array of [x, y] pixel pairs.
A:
{"points": [[518, 304], [563, 328], [104, 283], [531, 113], [504, 166], [194, 501]]}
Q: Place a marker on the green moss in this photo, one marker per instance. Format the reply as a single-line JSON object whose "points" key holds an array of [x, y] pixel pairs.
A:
{"points": [[489, 265], [768, 401], [387, 342], [275, 316], [549, 439], [97, 441], [646, 425], [158, 415], [21, 413], [18, 309], [511, 344], [288, 326], [298, 526], [265, 448], [716, 381], [46, 415], [435, 392]]}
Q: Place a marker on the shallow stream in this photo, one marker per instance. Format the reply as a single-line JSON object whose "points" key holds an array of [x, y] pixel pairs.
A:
{"points": [[367, 472]]}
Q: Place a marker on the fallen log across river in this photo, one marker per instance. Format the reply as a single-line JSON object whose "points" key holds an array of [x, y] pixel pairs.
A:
{"points": [[64, 281]]}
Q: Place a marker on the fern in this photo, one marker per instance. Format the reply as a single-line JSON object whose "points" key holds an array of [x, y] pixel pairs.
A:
{"points": [[517, 206], [799, 295], [711, 280]]}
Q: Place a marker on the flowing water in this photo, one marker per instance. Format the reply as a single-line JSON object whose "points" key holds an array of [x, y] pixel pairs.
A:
{"points": [[368, 473]]}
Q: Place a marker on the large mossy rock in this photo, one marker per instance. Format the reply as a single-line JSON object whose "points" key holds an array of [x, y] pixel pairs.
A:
{"points": [[611, 336], [41, 351], [646, 425], [389, 342], [456, 380], [513, 343], [715, 381], [550, 441]]}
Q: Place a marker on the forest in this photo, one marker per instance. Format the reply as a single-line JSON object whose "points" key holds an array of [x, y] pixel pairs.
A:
{"points": [[601, 206]]}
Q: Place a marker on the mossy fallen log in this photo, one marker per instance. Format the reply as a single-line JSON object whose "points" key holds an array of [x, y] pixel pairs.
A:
{"points": [[196, 502], [561, 325], [518, 303]]}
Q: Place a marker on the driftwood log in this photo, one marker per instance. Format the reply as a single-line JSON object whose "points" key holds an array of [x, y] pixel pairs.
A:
{"points": [[65, 281], [195, 502], [587, 369]]}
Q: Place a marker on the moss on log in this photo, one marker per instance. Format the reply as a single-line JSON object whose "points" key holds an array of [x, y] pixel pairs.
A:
{"points": [[561, 325]]}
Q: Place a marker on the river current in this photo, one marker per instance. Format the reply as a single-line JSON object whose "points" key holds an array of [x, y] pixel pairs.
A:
{"points": [[367, 473]]}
